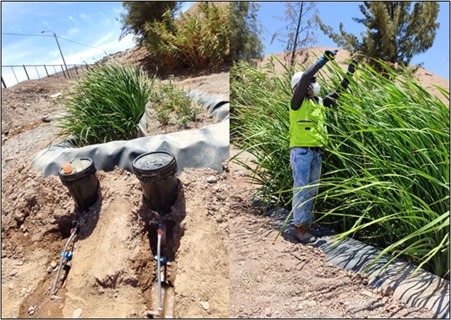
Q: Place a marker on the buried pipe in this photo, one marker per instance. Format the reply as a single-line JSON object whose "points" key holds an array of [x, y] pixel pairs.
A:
{"points": [[159, 311], [64, 256], [156, 172], [80, 179], [162, 297], [160, 303]]}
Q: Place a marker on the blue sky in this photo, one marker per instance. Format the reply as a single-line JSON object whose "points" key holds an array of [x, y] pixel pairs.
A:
{"points": [[436, 58], [85, 31], [88, 30]]}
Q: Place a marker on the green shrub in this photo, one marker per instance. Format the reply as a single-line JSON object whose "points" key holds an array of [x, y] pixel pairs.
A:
{"points": [[385, 176], [194, 41], [106, 104], [168, 100]]}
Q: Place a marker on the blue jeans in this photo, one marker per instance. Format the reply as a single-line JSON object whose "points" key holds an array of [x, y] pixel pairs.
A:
{"points": [[306, 168]]}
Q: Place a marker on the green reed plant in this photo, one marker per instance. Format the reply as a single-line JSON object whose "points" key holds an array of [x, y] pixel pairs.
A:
{"points": [[259, 126], [185, 109], [385, 173], [106, 104]]}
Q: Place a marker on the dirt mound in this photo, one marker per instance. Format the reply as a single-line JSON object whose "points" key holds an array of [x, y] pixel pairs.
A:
{"points": [[18, 104]]}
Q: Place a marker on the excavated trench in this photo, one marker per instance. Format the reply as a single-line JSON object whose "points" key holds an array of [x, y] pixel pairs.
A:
{"points": [[137, 271], [51, 239], [170, 242], [115, 248]]}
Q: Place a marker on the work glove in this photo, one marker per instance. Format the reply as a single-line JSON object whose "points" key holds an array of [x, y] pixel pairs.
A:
{"points": [[352, 66], [330, 54]]}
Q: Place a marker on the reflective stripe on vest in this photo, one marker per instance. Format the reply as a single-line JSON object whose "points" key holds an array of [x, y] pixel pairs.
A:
{"points": [[307, 125]]}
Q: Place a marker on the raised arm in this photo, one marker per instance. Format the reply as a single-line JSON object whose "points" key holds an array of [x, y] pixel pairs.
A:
{"points": [[300, 90], [333, 96]]}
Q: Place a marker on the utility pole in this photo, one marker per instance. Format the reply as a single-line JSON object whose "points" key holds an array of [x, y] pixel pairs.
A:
{"points": [[61, 52]]}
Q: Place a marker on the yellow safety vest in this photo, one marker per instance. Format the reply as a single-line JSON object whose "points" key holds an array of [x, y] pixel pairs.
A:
{"points": [[308, 125]]}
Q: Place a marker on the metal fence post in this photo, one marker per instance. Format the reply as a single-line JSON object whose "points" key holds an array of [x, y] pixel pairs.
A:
{"points": [[12, 68], [26, 72], [36, 68], [63, 71], [56, 73]]}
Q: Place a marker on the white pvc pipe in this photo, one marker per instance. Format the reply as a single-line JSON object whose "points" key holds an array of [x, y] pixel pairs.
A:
{"points": [[160, 302], [62, 259]]}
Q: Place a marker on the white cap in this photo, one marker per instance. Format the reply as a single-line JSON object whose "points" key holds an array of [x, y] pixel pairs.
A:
{"points": [[295, 79]]}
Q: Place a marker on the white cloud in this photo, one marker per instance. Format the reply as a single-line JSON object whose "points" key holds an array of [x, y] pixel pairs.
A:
{"points": [[46, 23], [101, 42], [85, 17], [54, 54], [72, 31], [118, 10], [85, 55], [17, 58], [186, 5], [72, 19], [20, 52], [125, 43], [92, 55]]}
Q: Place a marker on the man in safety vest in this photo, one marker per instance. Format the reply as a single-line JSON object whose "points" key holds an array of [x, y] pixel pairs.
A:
{"points": [[308, 135]]}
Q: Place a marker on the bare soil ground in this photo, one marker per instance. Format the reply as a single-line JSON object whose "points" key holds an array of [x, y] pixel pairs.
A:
{"points": [[224, 260], [214, 85], [113, 268]]}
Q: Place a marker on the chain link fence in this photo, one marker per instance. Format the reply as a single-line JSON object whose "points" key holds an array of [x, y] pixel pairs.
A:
{"points": [[13, 74]]}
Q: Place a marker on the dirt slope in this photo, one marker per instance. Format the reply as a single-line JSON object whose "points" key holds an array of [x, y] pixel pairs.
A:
{"points": [[112, 267]]}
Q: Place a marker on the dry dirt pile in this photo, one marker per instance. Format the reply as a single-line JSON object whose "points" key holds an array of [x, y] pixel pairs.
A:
{"points": [[23, 108], [20, 114]]}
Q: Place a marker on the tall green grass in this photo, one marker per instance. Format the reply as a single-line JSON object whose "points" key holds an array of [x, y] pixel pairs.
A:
{"points": [[259, 125], [385, 176], [106, 104]]}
